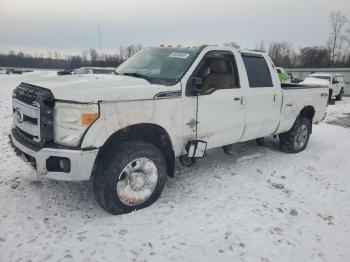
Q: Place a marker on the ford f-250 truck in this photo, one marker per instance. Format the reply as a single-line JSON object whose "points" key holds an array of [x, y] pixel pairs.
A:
{"points": [[125, 131]]}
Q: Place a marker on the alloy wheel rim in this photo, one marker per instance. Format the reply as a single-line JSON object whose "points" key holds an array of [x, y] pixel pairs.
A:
{"points": [[301, 137], [137, 181]]}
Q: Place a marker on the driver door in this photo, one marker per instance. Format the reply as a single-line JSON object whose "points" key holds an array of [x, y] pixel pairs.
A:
{"points": [[217, 115]]}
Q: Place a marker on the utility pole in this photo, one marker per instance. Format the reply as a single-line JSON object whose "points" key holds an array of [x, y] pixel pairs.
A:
{"points": [[99, 37]]}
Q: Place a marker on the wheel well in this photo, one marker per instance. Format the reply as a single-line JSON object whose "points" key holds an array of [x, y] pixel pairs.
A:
{"points": [[308, 112], [150, 133]]}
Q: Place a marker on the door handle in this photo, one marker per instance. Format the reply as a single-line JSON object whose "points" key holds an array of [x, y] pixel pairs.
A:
{"points": [[236, 98], [192, 123]]}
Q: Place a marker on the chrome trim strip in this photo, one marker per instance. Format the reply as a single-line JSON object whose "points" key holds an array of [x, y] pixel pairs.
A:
{"points": [[28, 110], [32, 111], [27, 127], [167, 95]]}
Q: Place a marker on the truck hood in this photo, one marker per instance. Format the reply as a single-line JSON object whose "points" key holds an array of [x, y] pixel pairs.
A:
{"points": [[92, 88], [315, 81]]}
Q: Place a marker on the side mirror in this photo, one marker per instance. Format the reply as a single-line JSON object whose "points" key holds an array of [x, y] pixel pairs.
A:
{"points": [[196, 84], [196, 148]]}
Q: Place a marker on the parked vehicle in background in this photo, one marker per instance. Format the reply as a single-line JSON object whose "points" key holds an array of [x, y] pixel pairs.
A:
{"points": [[103, 70], [3, 71], [335, 83], [14, 71], [282, 75], [293, 79], [124, 131], [64, 72], [94, 70]]}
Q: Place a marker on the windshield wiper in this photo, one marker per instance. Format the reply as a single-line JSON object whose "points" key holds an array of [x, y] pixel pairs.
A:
{"points": [[149, 78], [138, 75]]}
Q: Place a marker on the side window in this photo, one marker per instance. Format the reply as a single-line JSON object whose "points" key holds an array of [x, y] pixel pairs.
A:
{"points": [[217, 70], [257, 71], [334, 81]]}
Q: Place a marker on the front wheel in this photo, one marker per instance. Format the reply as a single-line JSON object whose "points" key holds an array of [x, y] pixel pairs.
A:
{"points": [[297, 138], [129, 176]]}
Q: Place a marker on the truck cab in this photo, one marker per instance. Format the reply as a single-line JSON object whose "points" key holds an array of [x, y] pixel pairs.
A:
{"points": [[124, 131]]}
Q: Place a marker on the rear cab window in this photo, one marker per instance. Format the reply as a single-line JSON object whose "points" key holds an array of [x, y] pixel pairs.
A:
{"points": [[257, 70]]}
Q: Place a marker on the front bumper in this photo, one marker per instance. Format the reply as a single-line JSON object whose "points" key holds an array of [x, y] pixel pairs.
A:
{"points": [[81, 161]]}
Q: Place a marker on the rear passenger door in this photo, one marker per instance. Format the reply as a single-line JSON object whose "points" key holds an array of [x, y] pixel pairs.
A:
{"points": [[263, 98]]}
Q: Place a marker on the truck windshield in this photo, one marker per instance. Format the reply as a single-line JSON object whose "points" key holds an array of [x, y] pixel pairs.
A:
{"points": [[159, 65]]}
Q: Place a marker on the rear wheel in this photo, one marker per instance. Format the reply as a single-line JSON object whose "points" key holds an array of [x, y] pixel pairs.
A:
{"points": [[129, 176], [297, 138]]}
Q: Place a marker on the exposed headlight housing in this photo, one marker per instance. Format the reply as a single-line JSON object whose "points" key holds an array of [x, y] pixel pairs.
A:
{"points": [[71, 121]]}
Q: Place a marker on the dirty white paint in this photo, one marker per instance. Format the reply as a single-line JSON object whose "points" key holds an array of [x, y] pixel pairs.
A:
{"points": [[126, 101]]}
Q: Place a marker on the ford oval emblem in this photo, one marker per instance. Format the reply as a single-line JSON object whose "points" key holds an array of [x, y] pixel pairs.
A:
{"points": [[19, 115]]}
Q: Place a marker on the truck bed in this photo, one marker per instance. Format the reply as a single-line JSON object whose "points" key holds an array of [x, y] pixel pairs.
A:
{"points": [[296, 97], [287, 86]]}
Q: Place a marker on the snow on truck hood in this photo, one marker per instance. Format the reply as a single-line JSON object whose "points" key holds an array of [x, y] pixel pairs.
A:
{"points": [[91, 88], [315, 81]]}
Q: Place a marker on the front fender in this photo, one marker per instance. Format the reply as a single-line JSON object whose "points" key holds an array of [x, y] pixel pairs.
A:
{"points": [[115, 116]]}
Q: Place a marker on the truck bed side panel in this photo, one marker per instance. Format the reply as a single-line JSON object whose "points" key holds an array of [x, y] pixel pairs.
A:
{"points": [[296, 98]]}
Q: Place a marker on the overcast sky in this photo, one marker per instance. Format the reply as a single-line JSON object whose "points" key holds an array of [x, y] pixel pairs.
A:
{"points": [[69, 26]]}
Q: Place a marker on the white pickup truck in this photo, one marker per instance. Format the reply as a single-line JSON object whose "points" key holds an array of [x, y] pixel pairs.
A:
{"points": [[335, 83], [125, 131]]}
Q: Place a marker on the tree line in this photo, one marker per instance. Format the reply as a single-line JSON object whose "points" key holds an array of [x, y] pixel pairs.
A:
{"points": [[335, 53], [56, 61]]}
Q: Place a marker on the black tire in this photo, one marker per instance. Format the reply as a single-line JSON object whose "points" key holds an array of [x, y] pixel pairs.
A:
{"points": [[340, 96], [260, 141], [288, 140], [111, 164]]}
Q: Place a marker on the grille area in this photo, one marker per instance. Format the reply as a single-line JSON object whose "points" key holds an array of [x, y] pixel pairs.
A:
{"points": [[32, 115]]}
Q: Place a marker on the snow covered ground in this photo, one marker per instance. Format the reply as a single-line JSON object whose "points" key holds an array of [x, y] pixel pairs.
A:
{"points": [[257, 205]]}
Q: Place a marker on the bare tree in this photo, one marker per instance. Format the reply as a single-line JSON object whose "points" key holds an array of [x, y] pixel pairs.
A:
{"points": [[232, 44], [282, 54], [93, 56], [57, 55], [260, 46], [314, 56], [131, 50], [121, 52], [84, 56], [336, 39]]}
